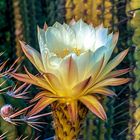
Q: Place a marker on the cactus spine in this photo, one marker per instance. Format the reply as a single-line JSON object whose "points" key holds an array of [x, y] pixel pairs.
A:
{"points": [[12, 131]]}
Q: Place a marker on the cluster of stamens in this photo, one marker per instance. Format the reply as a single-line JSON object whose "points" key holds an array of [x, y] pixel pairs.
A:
{"points": [[66, 51]]}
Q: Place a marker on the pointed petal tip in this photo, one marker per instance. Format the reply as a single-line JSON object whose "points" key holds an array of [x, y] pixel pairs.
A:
{"points": [[22, 42], [104, 117], [101, 25], [130, 80], [45, 26], [38, 29], [125, 52], [94, 106], [22, 45], [116, 35], [72, 22], [115, 38]]}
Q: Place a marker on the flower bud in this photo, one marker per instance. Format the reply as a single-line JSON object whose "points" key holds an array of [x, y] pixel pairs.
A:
{"points": [[6, 111]]}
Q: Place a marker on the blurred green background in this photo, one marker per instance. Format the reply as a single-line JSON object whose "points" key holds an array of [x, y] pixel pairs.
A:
{"points": [[19, 20]]}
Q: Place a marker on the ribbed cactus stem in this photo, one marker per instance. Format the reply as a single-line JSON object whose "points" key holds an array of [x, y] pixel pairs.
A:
{"points": [[18, 26], [134, 122], [65, 129]]}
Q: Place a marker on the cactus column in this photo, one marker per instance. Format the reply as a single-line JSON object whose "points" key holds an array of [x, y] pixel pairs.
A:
{"points": [[18, 26], [134, 124]]}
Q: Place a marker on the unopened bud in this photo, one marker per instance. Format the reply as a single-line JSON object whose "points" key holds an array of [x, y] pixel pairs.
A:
{"points": [[6, 111]]}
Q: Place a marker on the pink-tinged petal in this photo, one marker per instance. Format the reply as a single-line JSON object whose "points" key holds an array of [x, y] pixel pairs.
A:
{"points": [[38, 81], [33, 55], [103, 91], [111, 43], [113, 63], [82, 86], [41, 104], [53, 80], [38, 62], [111, 82], [43, 94], [26, 51], [116, 61], [84, 63], [117, 73], [69, 70], [73, 112], [94, 106], [98, 69], [23, 77], [115, 39], [45, 26], [72, 22], [108, 82], [89, 62]]}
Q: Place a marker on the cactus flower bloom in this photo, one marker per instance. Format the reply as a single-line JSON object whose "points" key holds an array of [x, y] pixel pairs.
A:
{"points": [[75, 67]]}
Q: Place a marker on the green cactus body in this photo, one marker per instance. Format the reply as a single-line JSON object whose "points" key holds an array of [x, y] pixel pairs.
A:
{"points": [[135, 22], [110, 122], [87, 10], [121, 103], [18, 26], [89, 130]]}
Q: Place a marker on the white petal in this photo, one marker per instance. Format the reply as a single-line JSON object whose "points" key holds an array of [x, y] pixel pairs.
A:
{"points": [[42, 45], [58, 38], [101, 37], [85, 35], [87, 62], [55, 61], [53, 39], [110, 45], [41, 38], [69, 70]]}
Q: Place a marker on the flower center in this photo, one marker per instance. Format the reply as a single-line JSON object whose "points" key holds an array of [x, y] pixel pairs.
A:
{"points": [[67, 51]]}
